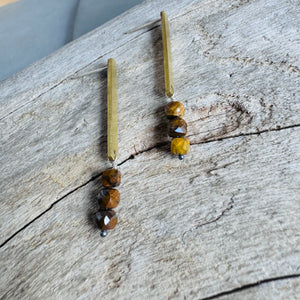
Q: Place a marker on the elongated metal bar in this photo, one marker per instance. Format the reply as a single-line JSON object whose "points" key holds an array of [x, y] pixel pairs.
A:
{"points": [[112, 111], [169, 83]]}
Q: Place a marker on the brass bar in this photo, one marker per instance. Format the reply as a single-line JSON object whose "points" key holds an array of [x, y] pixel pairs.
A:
{"points": [[112, 111], [169, 83]]}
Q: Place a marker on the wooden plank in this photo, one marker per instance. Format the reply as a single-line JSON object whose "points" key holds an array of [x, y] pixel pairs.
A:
{"points": [[231, 83], [224, 218], [222, 221], [56, 142]]}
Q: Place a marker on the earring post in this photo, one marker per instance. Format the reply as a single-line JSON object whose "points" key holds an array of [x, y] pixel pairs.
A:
{"points": [[169, 82], [112, 111]]}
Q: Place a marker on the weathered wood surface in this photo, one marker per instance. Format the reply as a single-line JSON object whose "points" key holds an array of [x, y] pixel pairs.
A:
{"points": [[219, 223]]}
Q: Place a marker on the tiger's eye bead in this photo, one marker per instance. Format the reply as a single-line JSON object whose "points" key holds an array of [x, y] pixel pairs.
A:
{"points": [[180, 146], [106, 220], [174, 109], [111, 178], [109, 198], [177, 127]]}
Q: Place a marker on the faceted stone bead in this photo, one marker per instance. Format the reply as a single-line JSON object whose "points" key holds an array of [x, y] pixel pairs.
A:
{"points": [[106, 219], [109, 198], [174, 109], [180, 146], [177, 127], [111, 178]]}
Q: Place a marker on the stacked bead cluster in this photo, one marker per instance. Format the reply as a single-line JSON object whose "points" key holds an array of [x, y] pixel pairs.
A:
{"points": [[108, 199], [180, 145]]}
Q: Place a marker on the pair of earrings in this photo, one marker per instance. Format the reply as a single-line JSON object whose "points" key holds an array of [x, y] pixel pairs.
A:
{"points": [[109, 197]]}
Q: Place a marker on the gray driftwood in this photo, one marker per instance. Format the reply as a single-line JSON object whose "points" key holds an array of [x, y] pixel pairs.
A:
{"points": [[224, 223]]}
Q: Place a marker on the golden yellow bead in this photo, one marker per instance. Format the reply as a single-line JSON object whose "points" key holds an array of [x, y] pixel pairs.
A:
{"points": [[180, 146]]}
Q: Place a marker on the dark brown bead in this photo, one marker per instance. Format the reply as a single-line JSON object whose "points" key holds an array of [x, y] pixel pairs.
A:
{"points": [[109, 198], [174, 109], [111, 178], [106, 219], [177, 127]]}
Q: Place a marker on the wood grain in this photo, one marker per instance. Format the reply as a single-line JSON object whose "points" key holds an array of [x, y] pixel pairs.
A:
{"points": [[54, 143], [224, 219]]}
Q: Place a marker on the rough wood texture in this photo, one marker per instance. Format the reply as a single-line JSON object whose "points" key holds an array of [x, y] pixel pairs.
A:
{"points": [[222, 224]]}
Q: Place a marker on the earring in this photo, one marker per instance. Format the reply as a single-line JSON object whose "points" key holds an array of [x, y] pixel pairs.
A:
{"points": [[109, 197], [180, 145]]}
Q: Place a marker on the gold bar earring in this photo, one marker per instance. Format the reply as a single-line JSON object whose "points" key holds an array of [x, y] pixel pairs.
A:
{"points": [[112, 111], [180, 145], [109, 197]]}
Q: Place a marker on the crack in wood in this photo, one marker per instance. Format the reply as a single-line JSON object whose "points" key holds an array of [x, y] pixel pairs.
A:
{"points": [[249, 61], [251, 285], [49, 208], [210, 171], [277, 128], [228, 208], [132, 156]]}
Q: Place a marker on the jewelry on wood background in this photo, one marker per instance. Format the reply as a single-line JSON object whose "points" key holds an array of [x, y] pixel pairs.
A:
{"points": [[109, 197], [180, 145]]}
